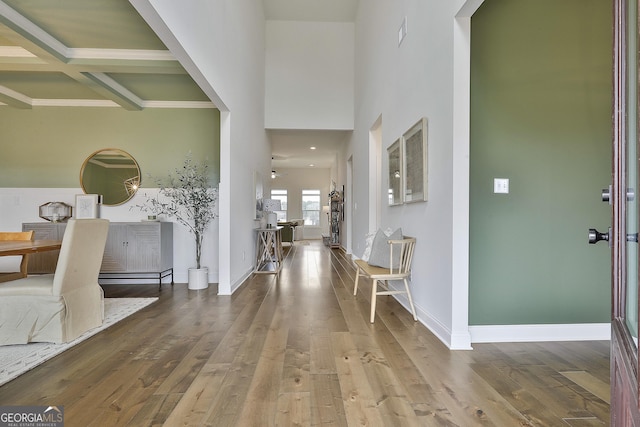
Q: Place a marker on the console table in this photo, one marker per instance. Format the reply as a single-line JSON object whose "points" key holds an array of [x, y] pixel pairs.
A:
{"points": [[269, 254], [134, 250]]}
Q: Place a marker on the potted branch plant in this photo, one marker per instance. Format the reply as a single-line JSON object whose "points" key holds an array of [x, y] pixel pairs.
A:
{"points": [[187, 195]]}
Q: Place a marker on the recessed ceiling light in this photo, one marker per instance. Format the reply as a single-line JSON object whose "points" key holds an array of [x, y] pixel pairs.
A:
{"points": [[311, 165], [312, 148]]}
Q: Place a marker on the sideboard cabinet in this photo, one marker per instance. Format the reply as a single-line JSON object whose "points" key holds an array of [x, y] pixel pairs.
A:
{"points": [[134, 250]]}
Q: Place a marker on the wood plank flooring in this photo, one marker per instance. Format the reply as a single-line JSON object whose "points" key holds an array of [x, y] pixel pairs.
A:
{"points": [[298, 350]]}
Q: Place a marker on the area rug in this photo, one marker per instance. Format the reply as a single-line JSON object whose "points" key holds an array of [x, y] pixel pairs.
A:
{"points": [[15, 360]]}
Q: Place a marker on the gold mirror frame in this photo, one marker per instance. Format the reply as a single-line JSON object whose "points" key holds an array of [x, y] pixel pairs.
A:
{"points": [[111, 173]]}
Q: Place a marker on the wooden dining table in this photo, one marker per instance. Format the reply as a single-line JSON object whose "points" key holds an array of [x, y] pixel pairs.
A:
{"points": [[24, 248]]}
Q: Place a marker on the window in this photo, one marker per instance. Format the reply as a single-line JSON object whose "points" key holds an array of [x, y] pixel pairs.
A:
{"points": [[311, 207], [282, 196]]}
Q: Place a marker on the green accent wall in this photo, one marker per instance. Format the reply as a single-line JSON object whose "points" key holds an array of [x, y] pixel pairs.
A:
{"points": [[541, 117], [46, 147]]}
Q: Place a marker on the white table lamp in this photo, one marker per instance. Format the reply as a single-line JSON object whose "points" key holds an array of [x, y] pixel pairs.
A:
{"points": [[269, 208]]}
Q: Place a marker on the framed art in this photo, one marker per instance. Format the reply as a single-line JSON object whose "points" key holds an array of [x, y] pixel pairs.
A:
{"points": [[86, 206], [394, 187], [258, 194], [344, 201], [414, 153]]}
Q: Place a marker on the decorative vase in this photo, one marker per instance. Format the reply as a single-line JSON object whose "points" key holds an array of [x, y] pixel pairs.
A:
{"points": [[198, 278]]}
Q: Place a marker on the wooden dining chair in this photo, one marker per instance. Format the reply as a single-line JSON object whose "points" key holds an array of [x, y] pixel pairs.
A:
{"points": [[16, 235], [400, 258]]}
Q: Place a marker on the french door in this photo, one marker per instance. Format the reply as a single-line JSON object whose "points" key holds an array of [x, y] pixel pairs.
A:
{"points": [[623, 235]]}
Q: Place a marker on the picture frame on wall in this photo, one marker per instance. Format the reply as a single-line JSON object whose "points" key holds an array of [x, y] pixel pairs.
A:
{"points": [[344, 201], [86, 206], [258, 194], [394, 187], [415, 161]]}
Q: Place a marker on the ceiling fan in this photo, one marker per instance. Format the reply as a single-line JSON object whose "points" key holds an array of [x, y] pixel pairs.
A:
{"points": [[275, 174]]}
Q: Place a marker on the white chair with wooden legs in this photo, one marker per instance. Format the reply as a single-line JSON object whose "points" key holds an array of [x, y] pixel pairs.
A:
{"points": [[21, 236], [58, 307], [400, 269]]}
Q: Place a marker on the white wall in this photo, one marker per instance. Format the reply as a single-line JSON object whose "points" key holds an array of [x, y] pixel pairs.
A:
{"points": [[309, 75], [20, 205], [402, 84], [294, 181], [221, 44]]}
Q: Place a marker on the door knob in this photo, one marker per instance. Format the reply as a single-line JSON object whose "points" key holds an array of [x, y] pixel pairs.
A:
{"points": [[595, 236]]}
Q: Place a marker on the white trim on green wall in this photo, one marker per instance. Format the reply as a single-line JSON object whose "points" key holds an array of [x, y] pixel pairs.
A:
{"points": [[540, 333]]}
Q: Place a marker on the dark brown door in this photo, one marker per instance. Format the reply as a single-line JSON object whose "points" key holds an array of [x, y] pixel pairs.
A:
{"points": [[623, 236]]}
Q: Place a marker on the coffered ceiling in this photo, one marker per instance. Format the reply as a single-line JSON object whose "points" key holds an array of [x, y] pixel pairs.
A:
{"points": [[87, 53]]}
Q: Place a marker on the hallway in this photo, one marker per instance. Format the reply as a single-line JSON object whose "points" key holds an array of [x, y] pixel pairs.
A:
{"points": [[298, 349]]}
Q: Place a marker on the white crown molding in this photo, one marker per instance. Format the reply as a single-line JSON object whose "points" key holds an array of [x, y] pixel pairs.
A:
{"points": [[178, 104], [106, 103], [73, 103], [121, 54]]}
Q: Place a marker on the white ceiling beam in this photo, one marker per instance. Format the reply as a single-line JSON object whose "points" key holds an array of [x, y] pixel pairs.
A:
{"points": [[27, 29], [14, 99], [115, 91]]}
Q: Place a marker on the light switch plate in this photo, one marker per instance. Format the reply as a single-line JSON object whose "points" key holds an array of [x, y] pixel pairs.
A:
{"points": [[501, 185]]}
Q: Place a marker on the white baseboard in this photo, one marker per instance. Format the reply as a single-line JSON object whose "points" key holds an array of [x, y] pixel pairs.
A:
{"points": [[238, 282], [532, 333], [509, 333], [458, 341]]}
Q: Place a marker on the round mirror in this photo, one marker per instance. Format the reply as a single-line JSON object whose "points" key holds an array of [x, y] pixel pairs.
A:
{"points": [[111, 173]]}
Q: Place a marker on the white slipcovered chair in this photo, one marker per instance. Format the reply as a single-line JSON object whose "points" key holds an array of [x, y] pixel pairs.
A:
{"points": [[58, 307]]}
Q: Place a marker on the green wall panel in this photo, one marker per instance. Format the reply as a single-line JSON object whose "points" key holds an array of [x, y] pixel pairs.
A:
{"points": [[46, 147], [541, 117]]}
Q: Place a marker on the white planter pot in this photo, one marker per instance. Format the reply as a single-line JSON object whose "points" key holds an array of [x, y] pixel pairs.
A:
{"points": [[198, 278]]}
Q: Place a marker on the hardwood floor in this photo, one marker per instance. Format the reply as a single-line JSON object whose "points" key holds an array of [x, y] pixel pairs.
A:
{"points": [[299, 350]]}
